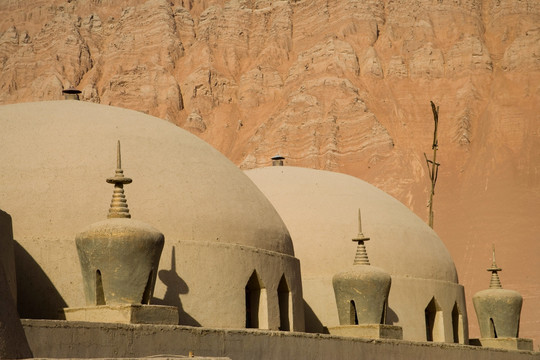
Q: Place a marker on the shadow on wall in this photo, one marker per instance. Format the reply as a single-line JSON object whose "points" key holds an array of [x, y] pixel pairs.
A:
{"points": [[37, 298], [313, 324], [175, 287], [391, 316]]}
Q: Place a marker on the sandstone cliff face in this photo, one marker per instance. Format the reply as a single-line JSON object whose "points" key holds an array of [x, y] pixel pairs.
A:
{"points": [[337, 85]]}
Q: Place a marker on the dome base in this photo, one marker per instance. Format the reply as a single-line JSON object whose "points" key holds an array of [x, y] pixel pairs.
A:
{"points": [[504, 343], [368, 331], [125, 314]]}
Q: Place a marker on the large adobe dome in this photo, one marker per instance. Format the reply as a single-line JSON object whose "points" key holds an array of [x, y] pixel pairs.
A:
{"points": [[56, 156], [320, 209], [220, 230]]}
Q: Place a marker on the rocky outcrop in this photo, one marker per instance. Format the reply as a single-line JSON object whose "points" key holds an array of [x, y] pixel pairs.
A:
{"points": [[43, 62], [339, 85]]}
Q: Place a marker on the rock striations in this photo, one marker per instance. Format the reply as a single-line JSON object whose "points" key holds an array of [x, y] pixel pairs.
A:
{"points": [[335, 85]]}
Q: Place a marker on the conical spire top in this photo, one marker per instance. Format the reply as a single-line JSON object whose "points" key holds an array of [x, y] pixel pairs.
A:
{"points": [[361, 257], [495, 282], [119, 207]]}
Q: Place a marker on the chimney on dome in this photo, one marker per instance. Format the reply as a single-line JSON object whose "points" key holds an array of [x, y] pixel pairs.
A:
{"points": [[277, 160], [71, 93]]}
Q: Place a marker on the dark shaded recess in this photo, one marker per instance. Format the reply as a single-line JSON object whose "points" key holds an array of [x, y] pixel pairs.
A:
{"points": [[354, 315], [37, 298], [430, 315], [176, 286], [253, 298], [100, 295], [283, 301], [492, 328], [313, 324], [455, 323]]}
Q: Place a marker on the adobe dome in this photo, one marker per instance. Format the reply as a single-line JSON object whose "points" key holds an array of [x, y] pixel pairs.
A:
{"points": [[54, 160], [58, 154], [320, 209], [324, 206]]}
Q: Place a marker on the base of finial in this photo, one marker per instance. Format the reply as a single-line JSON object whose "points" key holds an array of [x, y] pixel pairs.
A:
{"points": [[125, 314], [504, 343], [368, 331]]}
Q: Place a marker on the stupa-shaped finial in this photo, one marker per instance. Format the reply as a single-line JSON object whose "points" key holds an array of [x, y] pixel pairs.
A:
{"points": [[498, 312], [361, 257], [119, 207], [361, 291], [495, 282]]}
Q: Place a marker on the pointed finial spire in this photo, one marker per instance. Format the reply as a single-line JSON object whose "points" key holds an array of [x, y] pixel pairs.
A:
{"points": [[119, 207], [118, 157], [495, 282], [361, 257]]}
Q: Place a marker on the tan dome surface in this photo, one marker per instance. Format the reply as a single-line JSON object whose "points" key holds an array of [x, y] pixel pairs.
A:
{"points": [[320, 210], [56, 155]]}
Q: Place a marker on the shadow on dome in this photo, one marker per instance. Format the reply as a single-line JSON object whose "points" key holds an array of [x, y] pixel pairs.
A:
{"points": [[37, 297], [176, 286], [391, 317]]}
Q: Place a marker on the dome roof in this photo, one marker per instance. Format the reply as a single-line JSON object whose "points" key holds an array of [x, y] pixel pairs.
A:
{"points": [[320, 209], [56, 155]]}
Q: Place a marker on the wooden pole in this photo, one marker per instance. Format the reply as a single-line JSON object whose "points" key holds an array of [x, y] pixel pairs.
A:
{"points": [[433, 165]]}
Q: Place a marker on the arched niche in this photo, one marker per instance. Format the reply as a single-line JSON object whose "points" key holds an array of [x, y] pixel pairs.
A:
{"points": [[285, 305], [434, 321], [256, 303], [457, 325]]}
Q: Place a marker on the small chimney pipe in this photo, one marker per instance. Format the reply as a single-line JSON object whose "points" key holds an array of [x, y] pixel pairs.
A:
{"points": [[71, 93], [277, 160]]}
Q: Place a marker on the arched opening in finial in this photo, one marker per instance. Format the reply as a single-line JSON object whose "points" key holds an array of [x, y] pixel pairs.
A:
{"points": [[100, 295], [353, 314], [285, 305], [492, 329], [256, 303]]}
